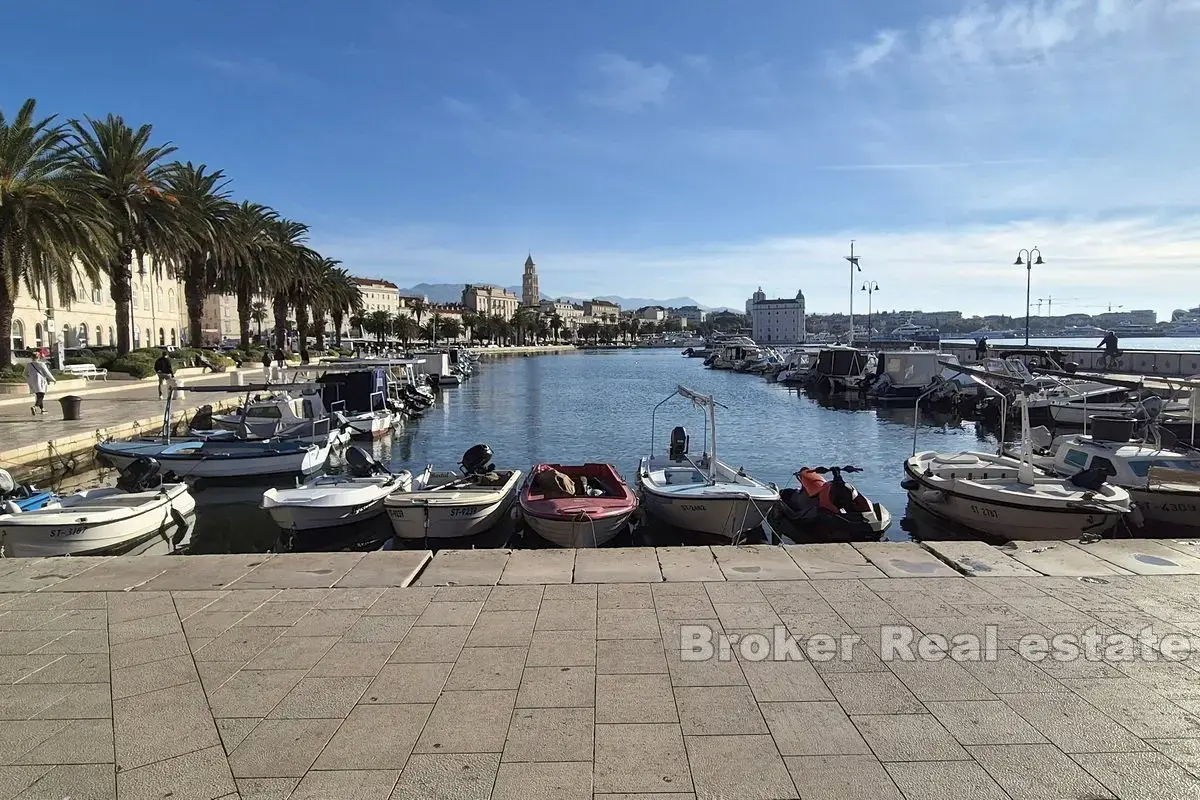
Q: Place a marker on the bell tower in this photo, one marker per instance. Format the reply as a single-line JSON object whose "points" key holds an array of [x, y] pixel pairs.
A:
{"points": [[531, 295]]}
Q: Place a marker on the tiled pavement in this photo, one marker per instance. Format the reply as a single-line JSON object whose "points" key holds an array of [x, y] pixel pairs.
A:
{"points": [[317, 678]]}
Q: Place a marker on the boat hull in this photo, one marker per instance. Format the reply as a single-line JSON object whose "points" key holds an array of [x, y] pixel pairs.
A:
{"points": [[725, 517], [588, 532], [448, 522], [577, 520], [68, 531], [302, 462], [373, 427], [1167, 511], [1007, 521]]}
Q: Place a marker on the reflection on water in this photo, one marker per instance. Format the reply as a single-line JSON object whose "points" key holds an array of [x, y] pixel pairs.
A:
{"points": [[595, 407]]}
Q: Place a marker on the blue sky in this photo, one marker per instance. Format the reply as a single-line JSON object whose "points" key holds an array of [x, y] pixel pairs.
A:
{"points": [[640, 149]]}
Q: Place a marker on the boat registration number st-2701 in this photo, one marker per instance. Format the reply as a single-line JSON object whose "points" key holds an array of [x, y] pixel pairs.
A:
{"points": [[62, 533], [984, 511]]}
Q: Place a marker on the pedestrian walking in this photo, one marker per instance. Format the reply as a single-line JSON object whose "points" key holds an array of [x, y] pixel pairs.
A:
{"points": [[39, 377]]}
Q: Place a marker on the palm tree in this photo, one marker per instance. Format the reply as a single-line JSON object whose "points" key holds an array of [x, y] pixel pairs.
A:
{"points": [[406, 328], [207, 243], [501, 329], [451, 328], [556, 324], [419, 307], [258, 313], [247, 275], [470, 323], [128, 176], [380, 324], [289, 267], [635, 325], [434, 322], [343, 296], [46, 218]]}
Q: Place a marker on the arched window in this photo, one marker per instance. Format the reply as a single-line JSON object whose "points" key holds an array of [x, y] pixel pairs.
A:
{"points": [[171, 299], [159, 306], [97, 298], [137, 337], [99, 336], [133, 295], [145, 298], [66, 335], [173, 342], [18, 335], [82, 338], [162, 337], [38, 335], [112, 340], [149, 337]]}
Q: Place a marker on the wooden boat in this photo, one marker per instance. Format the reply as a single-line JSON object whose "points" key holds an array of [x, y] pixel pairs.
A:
{"points": [[591, 509]]}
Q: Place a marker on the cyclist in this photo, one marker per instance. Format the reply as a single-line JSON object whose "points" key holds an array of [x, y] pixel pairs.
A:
{"points": [[1109, 343]]}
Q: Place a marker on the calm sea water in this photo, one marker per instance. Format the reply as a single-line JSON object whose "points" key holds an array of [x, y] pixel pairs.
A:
{"points": [[596, 406]]}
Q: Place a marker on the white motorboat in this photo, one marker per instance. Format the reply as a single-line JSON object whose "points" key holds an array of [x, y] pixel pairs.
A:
{"points": [[220, 458], [330, 501], [104, 520], [453, 505], [1164, 484], [706, 495], [298, 407], [369, 424], [1009, 498], [795, 368], [735, 351], [1069, 412]]}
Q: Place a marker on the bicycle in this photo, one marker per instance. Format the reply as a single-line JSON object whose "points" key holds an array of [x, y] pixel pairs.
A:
{"points": [[1110, 362]]}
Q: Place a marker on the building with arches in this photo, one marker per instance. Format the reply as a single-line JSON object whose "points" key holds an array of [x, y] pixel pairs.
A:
{"points": [[90, 320], [777, 320]]}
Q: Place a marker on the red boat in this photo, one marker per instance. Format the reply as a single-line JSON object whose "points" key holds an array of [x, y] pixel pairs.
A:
{"points": [[576, 506]]}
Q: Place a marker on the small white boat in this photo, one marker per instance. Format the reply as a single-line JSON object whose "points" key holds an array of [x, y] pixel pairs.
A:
{"points": [[452, 505], [707, 495], [1164, 484], [104, 520], [219, 458], [330, 501], [369, 424], [1008, 497], [1070, 412]]}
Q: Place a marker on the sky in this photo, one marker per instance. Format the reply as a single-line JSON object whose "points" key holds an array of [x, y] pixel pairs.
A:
{"points": [[664, 149]]}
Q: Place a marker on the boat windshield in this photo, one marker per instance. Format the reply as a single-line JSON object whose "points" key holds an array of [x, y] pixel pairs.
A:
{"points": [[1141, 466]]}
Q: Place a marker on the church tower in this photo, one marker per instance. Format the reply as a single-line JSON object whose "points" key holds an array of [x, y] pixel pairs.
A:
{"points": [[531, 295]]}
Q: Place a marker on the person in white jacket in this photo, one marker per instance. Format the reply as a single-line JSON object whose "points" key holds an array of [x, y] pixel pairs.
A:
{"points": [[39, 377]]}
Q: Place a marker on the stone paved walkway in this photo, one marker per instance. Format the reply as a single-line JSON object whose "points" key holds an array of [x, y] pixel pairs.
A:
{"points": [[325, 676]]}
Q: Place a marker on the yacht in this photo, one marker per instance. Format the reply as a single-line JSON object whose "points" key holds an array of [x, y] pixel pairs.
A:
{"points": [[1185, 328], [910, 332]]}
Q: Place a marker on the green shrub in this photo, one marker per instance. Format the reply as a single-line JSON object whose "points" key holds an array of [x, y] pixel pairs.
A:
{"points": [[137, 364], [82, 359], [14, 374]]}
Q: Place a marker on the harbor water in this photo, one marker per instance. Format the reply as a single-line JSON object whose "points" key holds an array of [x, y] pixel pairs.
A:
{"points": [[596, 406]]}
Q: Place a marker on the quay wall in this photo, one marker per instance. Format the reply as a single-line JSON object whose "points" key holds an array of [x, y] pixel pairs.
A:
{"points": [[1162, 363]]}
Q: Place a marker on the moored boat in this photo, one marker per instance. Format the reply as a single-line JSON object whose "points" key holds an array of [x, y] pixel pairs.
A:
{"points": [[831, 510], [576, 506], [140, 507], [330, 501], [705, 495], [220, 458], [455, 505]]}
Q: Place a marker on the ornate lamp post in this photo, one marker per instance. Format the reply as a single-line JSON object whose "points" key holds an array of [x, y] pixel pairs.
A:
{"points": [[870, 287], [1028, 261]]}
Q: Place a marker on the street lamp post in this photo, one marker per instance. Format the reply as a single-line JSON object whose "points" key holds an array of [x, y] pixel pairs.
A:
{"points": [[870, 287], [1028, 263]]}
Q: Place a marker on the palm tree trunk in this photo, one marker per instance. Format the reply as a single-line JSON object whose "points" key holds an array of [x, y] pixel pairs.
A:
{"points": [[302, 326], [120, 272], [279, 305], [7, 303], [337, 328], [243, 309], [318, 325], [194, 292]]}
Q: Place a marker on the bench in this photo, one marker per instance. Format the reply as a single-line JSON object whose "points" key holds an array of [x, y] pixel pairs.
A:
{"points": [[86, 371]]}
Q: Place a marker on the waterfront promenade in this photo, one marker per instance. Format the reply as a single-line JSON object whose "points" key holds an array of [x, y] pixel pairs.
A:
{"points": [[558, 674]]}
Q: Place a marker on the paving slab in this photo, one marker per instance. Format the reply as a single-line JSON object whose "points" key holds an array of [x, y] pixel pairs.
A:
{"points": [[1144, 557], [836, 561], [1062, 560], [203, 573], [117, 574], [464, 568], [979, 559], [386, 568], [905, 560], [299, 571], [756, 562], [685, 564], [617, 565], [550, 565], [41, 574]]}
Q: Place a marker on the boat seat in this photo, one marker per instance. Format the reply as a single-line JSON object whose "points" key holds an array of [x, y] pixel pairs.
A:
{"points": [[679, 477], [956, 459]]}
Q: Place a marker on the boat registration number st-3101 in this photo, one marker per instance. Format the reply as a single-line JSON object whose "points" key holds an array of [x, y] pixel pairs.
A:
{"points": [[984, 511], [62, 533]]}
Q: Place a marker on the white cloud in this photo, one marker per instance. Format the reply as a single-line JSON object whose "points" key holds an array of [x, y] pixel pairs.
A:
{"points": [[1140, 262], [626, 85], [868, 55]]}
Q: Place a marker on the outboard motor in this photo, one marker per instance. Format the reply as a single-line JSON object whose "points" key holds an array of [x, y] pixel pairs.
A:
{"points": [[679, 444], [362, 464], [141, 475], [477, 460]]}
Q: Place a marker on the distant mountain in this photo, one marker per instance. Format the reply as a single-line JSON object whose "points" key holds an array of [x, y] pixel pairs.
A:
{"points": [[452, 293]]}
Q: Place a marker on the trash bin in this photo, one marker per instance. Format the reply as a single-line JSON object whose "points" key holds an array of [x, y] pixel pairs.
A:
{"points": [[71, 405]]}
